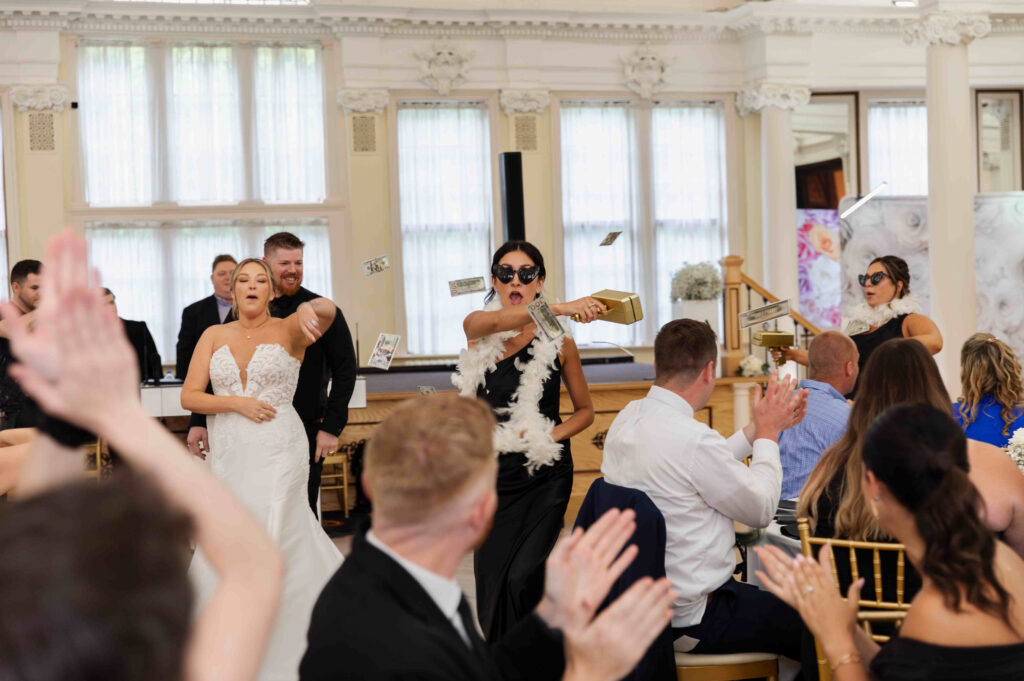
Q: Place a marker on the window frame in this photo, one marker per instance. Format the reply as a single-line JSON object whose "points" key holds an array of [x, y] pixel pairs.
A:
{"points": [[864, 100], [736, 233], [490, 97], [9, 184]]}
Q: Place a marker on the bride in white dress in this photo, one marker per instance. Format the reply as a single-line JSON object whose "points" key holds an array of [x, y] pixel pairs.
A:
{"points": [[258, 446]]}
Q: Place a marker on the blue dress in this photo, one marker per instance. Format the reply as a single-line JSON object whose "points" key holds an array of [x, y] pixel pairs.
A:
{"points": [[988, 426]]}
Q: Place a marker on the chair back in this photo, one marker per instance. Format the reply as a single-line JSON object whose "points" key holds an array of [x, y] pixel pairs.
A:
{"points": [[658, 663], [879, 608]]}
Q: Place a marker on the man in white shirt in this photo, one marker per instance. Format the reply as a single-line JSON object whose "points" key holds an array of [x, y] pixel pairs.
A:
{"points": [[394, 611], [698, 481]]}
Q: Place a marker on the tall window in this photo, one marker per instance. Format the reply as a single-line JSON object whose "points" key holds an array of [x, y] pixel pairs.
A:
{"points": [[4, 264], [155, 268], [197, 123], [446, 209], [898, 146], [611, 154]]}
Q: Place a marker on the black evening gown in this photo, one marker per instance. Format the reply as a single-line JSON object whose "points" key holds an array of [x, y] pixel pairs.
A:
{"points": [[867, 343], [509, 566]]}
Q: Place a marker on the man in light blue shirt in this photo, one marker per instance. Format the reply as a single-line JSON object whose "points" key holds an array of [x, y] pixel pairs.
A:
{"points": [[832, 370]]}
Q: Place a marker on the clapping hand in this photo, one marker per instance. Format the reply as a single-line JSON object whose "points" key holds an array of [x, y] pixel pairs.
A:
{"points": [[779, 408], [76, 362]]}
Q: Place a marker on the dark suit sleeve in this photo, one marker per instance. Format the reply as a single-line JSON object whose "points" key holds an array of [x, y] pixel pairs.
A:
{"points": [[187, 339], [152, 356], [546, 658], [341, 365]]}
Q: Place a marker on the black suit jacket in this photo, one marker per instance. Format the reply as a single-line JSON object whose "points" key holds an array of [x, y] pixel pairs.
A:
{"points": [[374, 622], [145, 349], [196, 318], [332, 358]]}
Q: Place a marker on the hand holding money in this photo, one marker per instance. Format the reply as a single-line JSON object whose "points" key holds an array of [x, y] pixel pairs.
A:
{"points": [[588, 309]]}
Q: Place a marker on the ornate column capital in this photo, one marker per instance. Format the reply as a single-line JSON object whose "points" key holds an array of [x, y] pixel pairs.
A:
{"points": [[363, 100], [755, 98], [525, 101], [946, 29], [40, 97]]}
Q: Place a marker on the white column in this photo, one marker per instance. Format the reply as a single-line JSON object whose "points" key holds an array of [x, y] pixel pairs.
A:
{"points": [[741, 412], [951, 180], [775, 103]]}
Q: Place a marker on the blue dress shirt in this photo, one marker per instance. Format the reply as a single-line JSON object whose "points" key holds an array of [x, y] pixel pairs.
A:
{"points": [[801, 446], [988, 426]]}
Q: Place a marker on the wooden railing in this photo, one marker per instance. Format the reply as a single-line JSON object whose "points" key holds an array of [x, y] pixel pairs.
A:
{"points": [[743, 293]]}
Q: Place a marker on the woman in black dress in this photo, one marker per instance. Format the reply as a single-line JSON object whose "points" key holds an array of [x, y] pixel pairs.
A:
{"points": [[888, 311], [967, 621], [515, 367]]}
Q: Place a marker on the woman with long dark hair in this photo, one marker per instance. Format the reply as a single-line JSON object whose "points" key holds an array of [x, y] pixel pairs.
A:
{"points": [[512, 365], [967, 620], [888, 311]]}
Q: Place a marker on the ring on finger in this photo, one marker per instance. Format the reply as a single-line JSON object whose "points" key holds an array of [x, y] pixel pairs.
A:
{"points": [[807, 589]]}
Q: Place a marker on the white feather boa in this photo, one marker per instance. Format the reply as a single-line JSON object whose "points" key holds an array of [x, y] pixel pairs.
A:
{"points": [[877, 316], [527, 430]]}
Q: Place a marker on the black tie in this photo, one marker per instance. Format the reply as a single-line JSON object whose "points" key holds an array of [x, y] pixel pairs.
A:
{"points": [[477, 643]]}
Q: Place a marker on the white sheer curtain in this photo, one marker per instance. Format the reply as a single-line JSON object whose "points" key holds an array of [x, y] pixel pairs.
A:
{"points": [[444, 185], [688, 189], [157, 268], [898, 147], [599, 183], [182, 122], [116, 124], [289, 124], [204, 125], [5, 266]]}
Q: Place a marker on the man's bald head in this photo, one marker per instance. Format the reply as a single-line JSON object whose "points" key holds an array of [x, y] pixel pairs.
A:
{"points": [[832, 358]]}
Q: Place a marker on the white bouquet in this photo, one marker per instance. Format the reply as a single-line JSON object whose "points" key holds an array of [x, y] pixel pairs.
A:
{"points": [[697, 282], [753, 365], [1015, 448]]}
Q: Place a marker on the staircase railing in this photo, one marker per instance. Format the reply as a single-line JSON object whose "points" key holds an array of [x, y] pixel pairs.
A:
{"points": [[743, 293]]}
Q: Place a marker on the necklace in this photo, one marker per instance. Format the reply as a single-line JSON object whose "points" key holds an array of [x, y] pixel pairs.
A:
{"points": [[248, 336]]}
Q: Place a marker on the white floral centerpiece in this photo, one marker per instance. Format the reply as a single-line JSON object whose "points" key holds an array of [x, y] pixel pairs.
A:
{"points": [[1015, 448], [697, 282], [752, 365]]}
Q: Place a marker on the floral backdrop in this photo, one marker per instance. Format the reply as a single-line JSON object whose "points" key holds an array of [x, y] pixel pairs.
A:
{"points": [[818, 266]]}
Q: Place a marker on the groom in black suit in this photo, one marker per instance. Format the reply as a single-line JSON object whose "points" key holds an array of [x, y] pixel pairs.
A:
{"points": [[394, 611], [330, 360], [196, 318]]}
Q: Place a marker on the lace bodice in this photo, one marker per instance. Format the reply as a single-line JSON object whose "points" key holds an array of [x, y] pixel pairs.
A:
{"points": [[271, 375]]}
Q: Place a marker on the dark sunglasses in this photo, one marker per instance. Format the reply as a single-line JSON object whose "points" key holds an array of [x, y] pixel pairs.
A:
{"points": [[874, 278], [506, 273]]}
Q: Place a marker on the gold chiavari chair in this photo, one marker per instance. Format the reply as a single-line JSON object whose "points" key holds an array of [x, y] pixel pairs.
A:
{"points": [[94, 452], [879, 609]]}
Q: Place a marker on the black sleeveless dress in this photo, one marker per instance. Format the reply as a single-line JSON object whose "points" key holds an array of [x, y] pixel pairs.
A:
{"points": [[509, 566], [867, 342], [906, 659]]}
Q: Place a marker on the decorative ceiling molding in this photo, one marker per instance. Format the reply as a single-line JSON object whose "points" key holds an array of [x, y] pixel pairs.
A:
{"points": [[947, 29], [644, 71], [364, 100], [525, 101], [40, 97], [443, 66], [755, 98], [320, 21]]}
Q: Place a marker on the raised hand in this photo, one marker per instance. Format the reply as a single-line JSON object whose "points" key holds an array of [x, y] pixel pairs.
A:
{"points": [[587, 308], [309, 322], [75, 362], [780, 407], [582, 568], [615, 641]]}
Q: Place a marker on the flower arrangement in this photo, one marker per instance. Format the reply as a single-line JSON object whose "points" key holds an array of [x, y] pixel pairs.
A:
{"points": [[697, 282], [752, 365], [1015, 448]]}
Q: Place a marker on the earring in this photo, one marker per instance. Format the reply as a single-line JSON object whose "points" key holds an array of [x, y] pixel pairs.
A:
{"points": [[874, 509]]}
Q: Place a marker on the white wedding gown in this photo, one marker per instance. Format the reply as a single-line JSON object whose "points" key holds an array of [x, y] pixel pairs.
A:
{"points": [[267, 466]]}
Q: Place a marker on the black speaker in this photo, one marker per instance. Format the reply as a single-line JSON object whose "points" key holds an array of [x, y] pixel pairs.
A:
{"points": [[513, 220]]}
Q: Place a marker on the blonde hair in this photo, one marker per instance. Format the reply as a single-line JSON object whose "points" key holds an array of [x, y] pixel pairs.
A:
{"points": [[988, 366], [426, 451], [899, 371], [238, 271]]}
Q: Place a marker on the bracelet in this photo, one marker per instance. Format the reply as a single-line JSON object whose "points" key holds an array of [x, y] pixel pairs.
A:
{"points": [[848, 658], [64, 433]]}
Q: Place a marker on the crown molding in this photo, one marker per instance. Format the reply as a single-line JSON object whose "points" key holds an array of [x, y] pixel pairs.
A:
{"points": [[942, 28], [40, 97], [323, 21], [755, 98]]}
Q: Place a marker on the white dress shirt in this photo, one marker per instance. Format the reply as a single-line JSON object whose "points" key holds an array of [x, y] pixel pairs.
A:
{"points": [[698, 481], [444, 592]]}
